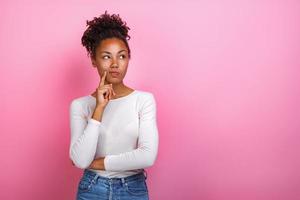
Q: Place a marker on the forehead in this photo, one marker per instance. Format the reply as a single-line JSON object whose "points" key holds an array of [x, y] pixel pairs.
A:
{"points": [[112, 45]]}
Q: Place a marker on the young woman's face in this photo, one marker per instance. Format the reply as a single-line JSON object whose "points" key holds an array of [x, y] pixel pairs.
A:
{"points": [[112, 56]]}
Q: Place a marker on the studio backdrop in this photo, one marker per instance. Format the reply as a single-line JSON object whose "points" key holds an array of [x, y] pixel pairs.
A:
{"points": [[225, 75]]}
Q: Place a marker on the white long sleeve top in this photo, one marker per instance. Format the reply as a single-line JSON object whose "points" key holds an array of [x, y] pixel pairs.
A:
{"points": [[127, 135]]}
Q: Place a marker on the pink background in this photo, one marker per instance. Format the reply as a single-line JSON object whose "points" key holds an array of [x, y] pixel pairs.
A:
{"points": [[225, 75]]}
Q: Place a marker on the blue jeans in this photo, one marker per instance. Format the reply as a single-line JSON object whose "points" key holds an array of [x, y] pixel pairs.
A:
{"points": [[93, 186]]}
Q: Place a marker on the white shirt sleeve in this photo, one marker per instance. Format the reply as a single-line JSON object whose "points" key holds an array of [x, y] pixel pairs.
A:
{"points": [[84, 136], [146, 152]]}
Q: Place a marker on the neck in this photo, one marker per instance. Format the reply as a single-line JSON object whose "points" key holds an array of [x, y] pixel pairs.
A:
{"points": [[119, 88]]}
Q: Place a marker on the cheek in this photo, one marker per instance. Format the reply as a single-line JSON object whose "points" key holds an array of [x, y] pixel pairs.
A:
{"points": [[124, 66], [104, 65], [124, 63]]}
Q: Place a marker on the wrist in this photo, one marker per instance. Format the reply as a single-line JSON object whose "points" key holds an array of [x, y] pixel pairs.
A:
{"points": [[100, 164], [103, 164], [97, 115], [99, 107]]}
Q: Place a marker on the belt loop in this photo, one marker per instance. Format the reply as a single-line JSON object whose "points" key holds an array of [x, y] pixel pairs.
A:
{"points": [[95, 177], [123, 181]]}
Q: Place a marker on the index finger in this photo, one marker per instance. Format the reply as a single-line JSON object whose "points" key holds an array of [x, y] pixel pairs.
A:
{"points": [[102, 79]]}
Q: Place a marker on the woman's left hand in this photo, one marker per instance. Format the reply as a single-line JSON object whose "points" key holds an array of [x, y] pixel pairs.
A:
{"points": [[98, 163]]}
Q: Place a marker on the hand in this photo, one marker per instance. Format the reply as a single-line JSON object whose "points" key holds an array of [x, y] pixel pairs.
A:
{"points": [[98, 164], [104, 92]]}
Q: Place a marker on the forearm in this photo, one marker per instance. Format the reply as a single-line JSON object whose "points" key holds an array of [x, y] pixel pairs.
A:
{"points": [[83, 150], [98, 112], [84, 134], [142, 157]]}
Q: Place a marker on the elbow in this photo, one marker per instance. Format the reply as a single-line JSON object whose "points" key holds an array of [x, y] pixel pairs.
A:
{"points": [[150, 156], [149, 161], [80, 163]]}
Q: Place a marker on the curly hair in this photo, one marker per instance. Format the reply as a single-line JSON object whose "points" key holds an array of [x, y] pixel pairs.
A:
{"points": [[103, 27]]}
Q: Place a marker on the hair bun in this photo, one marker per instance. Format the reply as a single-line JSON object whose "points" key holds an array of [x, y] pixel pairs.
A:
{"points": [[108, 22]]}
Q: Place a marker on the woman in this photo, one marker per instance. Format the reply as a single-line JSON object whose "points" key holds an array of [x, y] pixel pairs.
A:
{"points": [[114, 134]]}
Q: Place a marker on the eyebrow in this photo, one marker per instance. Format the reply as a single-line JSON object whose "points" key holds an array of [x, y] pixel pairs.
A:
{"points": [[110, 53]]}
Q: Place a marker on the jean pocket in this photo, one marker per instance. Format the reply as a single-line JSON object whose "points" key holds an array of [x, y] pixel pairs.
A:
{"points": [[138, 187], [85, 184]]}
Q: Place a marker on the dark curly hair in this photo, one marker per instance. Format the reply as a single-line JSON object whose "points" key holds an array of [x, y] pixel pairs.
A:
{"points": [[103, 27]]}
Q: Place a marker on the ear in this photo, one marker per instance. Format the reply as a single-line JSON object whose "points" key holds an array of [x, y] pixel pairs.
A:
{"points": [[93, 62]]}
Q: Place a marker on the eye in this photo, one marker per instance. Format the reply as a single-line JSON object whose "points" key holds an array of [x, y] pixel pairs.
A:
{"points": [[123, 56], [106, 56]]}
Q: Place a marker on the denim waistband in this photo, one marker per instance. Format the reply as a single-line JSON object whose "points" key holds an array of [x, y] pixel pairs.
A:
{"points": [[95, 176]]}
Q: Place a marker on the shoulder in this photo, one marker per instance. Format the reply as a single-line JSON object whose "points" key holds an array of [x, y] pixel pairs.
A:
{"points": [[146, 100], [79, 103], [145, 96], [146, 105]]}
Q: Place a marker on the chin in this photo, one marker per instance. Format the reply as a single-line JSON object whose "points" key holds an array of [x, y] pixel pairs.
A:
{"points": [[114, 80]]}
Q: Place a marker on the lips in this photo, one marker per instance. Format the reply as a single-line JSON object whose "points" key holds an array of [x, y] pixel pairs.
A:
{"points": [[114, 74]]}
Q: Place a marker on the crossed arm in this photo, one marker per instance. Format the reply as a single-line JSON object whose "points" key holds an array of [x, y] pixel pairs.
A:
{"points": [[85, 136], [98, 164]]}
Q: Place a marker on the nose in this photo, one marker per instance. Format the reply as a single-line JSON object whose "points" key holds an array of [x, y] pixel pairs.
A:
{"points": [[114, 64]]}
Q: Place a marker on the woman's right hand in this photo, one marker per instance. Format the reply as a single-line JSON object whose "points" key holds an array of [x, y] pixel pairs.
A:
{"points": [[104, 92]]}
